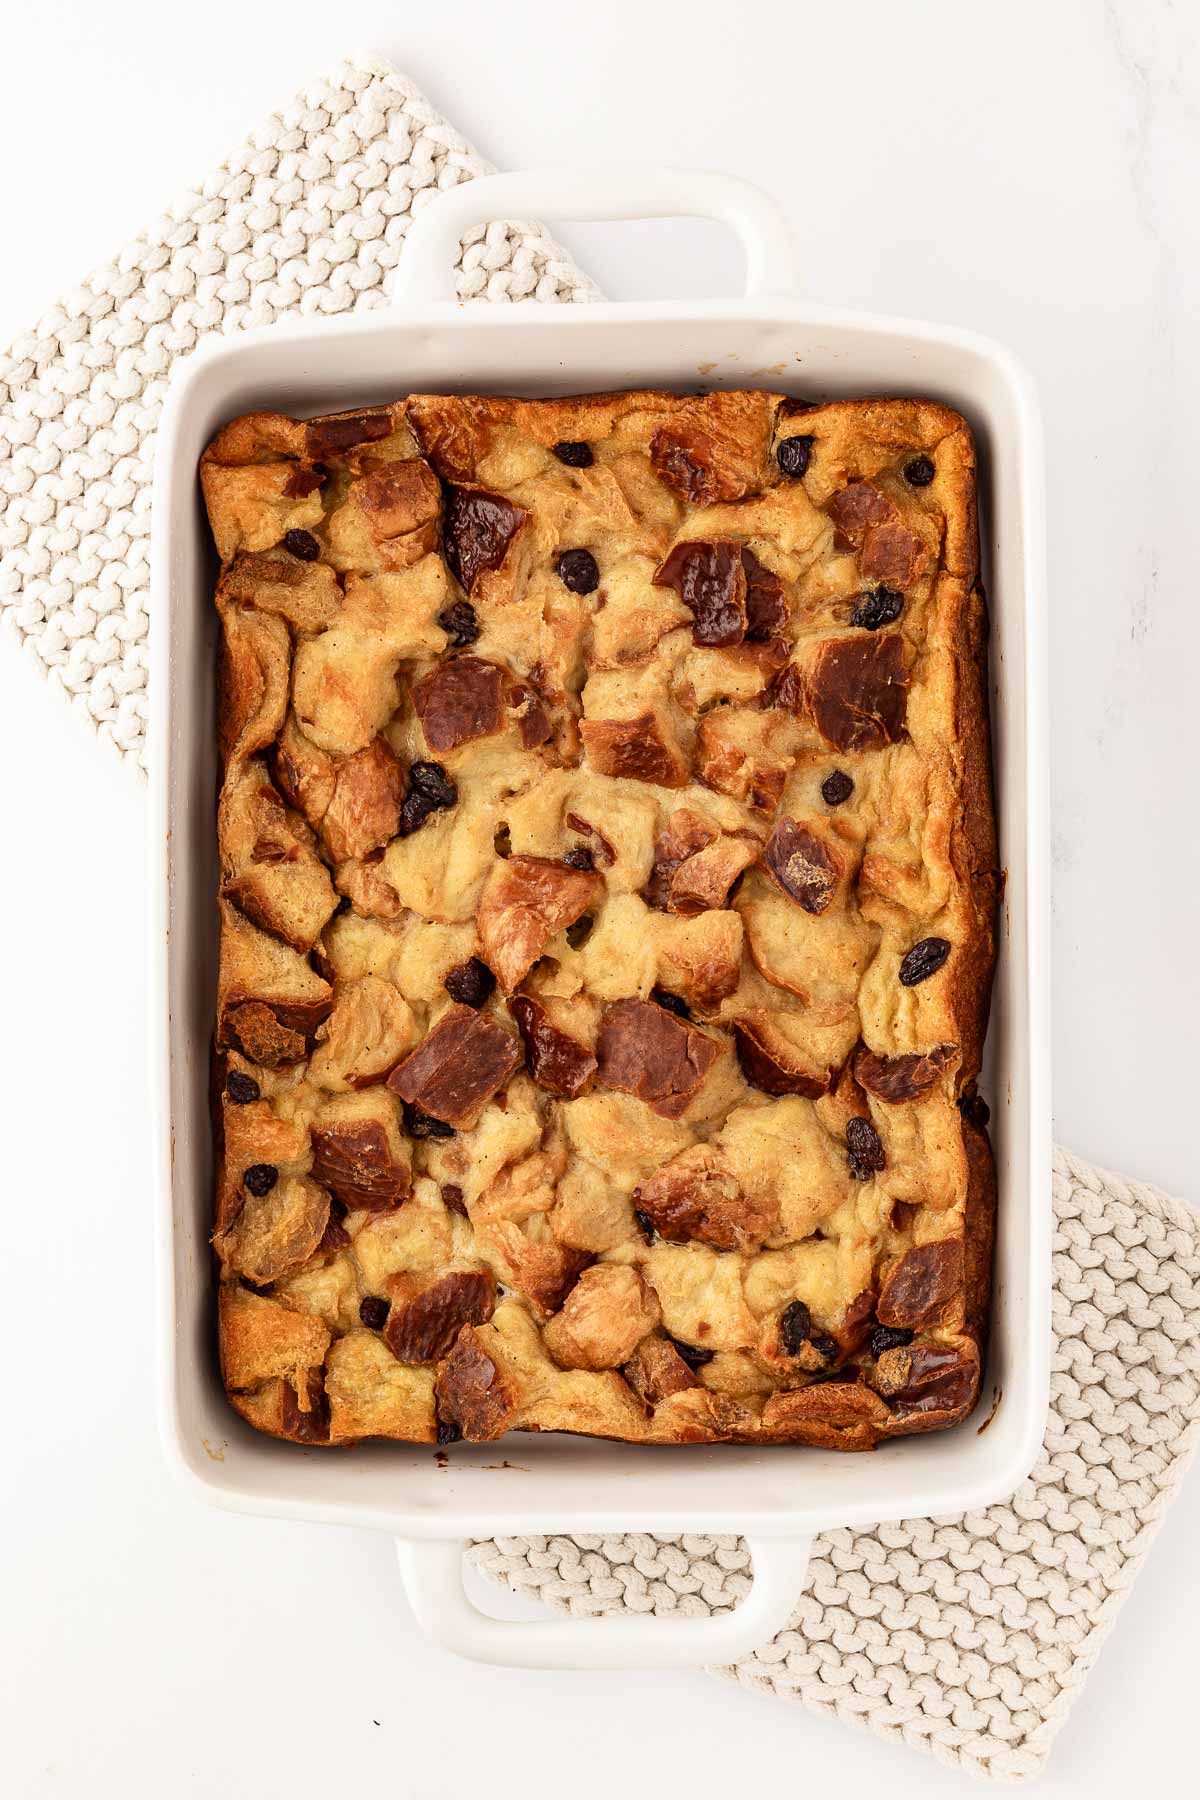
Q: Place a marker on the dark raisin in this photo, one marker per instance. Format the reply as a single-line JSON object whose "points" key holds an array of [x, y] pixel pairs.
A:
{"points": [[579, 858], [579, 571], [580, 931], [866, 1151], [452, 1198], [413, 814], [470, 982], [420, 1124], [448, 1432], [919, 472], [887, 1337], [880, 607], [693, 1355], [673, 1003], [260, 1178], [459, 623], [431, 781], [575, 454], [242, 1089], [373, 1311], [975, 1109], [302, 544], [826, 1347], [837, 787], [645, 1224], [923, 960], [795, 1327], [793, 456]]}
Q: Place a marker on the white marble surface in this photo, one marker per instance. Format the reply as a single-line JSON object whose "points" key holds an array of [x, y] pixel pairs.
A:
{"points": [[1029, 170]]}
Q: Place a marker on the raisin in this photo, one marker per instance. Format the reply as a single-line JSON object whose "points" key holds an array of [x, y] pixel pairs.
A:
{"points": [[645, 1225], [866, 1151], [579, 858], [919, 472], [242, 1089], [373, 1311], [470, 982], [575, 454], [825, 1346], [975, 1109], [431, 781], [579, 571], [413, 814], [923, 960], [459, 623], [881, 606], [420, 1124], [448, 1432], [693, 1354], [793, 456], [795, 1327], [837, 787], [302, 544], [430, 790], [888, 1337], [260, 1178], [452, 1198], [674, 1003]]}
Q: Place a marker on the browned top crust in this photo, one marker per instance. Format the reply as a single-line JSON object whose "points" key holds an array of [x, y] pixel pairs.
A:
{"points": [[608, 882]]}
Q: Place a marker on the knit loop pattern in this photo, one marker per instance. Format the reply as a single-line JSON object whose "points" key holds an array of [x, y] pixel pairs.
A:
{"points": [[970, 1636], [305, 219]]}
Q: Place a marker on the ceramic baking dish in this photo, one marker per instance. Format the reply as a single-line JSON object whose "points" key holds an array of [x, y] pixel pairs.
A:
{"points": [[777, 1497]]}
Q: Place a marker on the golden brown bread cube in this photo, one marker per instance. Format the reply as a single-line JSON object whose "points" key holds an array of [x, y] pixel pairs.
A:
{"points": [[607, 902]]}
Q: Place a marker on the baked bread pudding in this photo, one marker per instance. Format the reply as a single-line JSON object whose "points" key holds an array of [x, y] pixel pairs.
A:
{"points": [[608, 883]]}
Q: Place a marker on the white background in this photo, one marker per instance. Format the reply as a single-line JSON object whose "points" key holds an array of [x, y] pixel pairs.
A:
{"points": [[1028, 169]]}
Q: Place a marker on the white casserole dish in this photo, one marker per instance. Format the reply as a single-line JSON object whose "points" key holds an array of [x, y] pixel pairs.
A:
{"points": [[778, 1497]]}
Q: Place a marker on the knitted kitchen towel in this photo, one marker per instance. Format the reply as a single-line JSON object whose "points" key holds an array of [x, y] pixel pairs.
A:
{"points": [[307, 217], [970, 1636]]}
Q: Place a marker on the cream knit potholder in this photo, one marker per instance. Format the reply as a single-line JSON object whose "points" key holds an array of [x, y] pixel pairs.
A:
{"points": [[968, 1637], [307, 217]]}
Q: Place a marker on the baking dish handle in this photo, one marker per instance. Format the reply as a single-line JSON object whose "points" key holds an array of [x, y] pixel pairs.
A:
{"points": [[426, 268], [433, 1579]]}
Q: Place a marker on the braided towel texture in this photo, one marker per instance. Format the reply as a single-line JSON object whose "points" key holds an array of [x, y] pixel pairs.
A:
{"points": [[307, 217], [967, 1636], [970, 1636]]}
